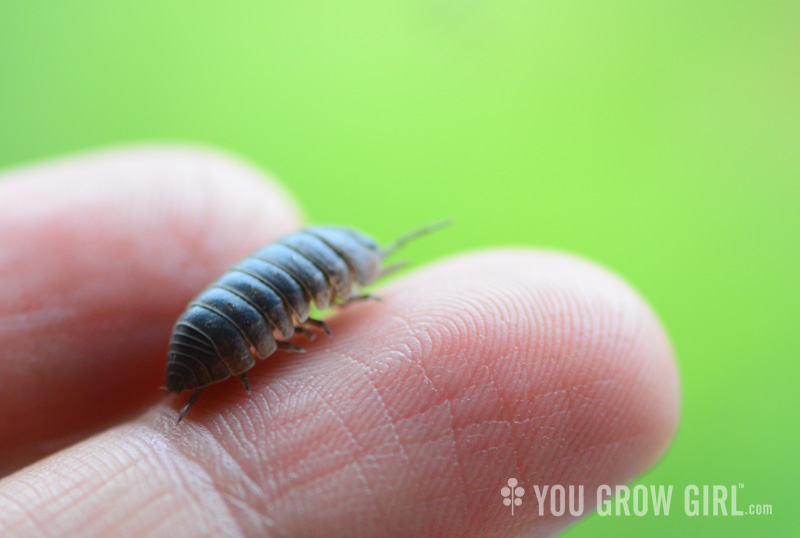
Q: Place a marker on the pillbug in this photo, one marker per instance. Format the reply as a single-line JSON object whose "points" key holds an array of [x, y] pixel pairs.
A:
{"points": [[262, 301]]}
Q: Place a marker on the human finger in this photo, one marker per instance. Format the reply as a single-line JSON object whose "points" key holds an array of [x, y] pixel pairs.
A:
{"points": [[100, 254], [488, 366]]}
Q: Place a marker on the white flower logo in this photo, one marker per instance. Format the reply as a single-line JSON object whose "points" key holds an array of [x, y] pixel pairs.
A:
{"points": [[512, 494]]}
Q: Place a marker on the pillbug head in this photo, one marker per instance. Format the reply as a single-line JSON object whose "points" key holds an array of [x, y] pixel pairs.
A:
{"points": [[361, 239], [362, 254]]}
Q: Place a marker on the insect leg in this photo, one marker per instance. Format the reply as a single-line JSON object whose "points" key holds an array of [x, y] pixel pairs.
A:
{"points": [[305, 332], [246, 382], [290, 347], [189, 404], [319, 324], [362, 297]]}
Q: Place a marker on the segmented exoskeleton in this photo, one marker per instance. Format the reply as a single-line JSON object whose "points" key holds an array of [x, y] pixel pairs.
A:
{"points": [[261, 302]]}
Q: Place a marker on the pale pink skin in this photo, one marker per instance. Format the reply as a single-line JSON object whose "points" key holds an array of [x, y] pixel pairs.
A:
{"points": [[481, 367]]}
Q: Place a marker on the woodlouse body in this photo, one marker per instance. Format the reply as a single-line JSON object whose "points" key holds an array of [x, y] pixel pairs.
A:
{"points": [[261, 302]]}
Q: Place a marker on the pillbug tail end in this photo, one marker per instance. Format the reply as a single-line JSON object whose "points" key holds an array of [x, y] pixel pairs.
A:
{"points": [[174, 383]]}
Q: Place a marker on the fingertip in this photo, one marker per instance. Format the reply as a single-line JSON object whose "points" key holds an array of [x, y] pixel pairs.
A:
{"points": [[611, 350], [561, 338], [574, 321]]}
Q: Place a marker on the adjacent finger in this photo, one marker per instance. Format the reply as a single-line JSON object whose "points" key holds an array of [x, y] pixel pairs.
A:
{"points": [[485, 367], [100, 255]]}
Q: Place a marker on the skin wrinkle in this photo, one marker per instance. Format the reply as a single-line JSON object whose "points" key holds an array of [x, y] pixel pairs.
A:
{"points": [[498, 435], [563, 300], [598, 454], [495, 432], [404, 453], [292, 456], [304, 482], [359, 448], [69, 520], [631, 396], [186, 465], [421, 350], [225, 430], [158, 527], [572, 451], [126, 521], [579, 454], [414, 352], [250, 448], [80, 490], [123, 470], [505, 407], [264, 415], [598, 425], [249, 501], [588, 344], [626, 351], [547, 321], [127, 463], [441, 436], [310, 428], [454, 448], [386, 413], [567, 428], [31, 517]]}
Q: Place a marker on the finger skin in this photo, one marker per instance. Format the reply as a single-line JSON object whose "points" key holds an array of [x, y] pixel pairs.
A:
{"points": [[100, 255], [487, 366]]}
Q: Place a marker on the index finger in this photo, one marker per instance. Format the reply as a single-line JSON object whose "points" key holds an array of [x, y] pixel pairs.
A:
{"points": [[100, 255]]}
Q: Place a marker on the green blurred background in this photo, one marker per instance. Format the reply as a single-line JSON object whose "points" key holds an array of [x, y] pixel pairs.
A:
{"points": [[660, 139]]}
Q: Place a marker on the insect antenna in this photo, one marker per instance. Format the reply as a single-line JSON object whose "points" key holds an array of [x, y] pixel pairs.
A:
{"points": [[416, 234], [392, 268]]}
